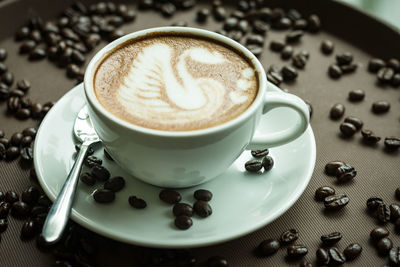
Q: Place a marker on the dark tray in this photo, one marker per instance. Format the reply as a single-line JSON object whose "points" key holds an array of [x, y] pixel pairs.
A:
{"points": [[378, 171]]}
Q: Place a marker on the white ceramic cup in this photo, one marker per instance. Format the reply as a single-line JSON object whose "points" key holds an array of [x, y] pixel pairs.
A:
{"points": [[188, 158]]}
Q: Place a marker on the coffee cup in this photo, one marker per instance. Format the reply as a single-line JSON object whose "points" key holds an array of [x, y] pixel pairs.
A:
{"points": [[176, 106]]}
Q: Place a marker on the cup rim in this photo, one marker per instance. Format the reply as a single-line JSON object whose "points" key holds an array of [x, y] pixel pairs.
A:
{"points": [[101, 54]]}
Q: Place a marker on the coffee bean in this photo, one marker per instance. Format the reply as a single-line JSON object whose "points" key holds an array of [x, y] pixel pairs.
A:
{"points": [[29, 229], [337, 111], [3, 69], [392, 143], [183, 222], [231, 23], [202, 15], [299, 61], [100, 173], [137, 203], [348, 68], [384, 246], [31, 131], [255, 39], [88, 179], [202, 208], [182, 209], [287, 52], [202, 194], [373, 203], [17, 93], [331, 239], [23, 85], [253, 165], [336, 257], [394, 64], [27, 46], [92, 40], [12, 153], [322, 256], [44, 201], [336, 202], [379, 107], [115, 184], [7, 78], [3, 225], [103, 195], [300, 24], [314, 23], [346, 177], [282, 24], [394, 256], [20, 209], [37, 53], [92, 161], [383, 213], [294, 36], [26, 141], [289, 73], [4, 209], [268, 247], [355, 121], [276, 46], [295, 251], [217, 261], [344, 59], [376, 64], [352, 251], [356, 95], [267, 163], [324, 191], [289, 236], [219, 13], [170, 196], [342, 169], [260, 27], [335, 71], [385, 75], [331, 167], [347, 129], [237, 36], [327, 47], [394, 212], [23, 114], [274, 78], [369, 137], [260, 153], [13, 104], [73, 71], [30, 195]]}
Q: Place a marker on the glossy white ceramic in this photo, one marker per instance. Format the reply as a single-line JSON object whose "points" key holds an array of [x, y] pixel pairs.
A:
{"points": [[187, 158], [242, 202]]}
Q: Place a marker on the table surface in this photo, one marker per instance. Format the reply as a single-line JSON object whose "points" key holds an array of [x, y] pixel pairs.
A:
{"points": [[378, 171]]}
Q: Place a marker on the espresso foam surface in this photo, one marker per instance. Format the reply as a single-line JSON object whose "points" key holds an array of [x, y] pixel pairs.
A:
{"points": [[175, 83]]}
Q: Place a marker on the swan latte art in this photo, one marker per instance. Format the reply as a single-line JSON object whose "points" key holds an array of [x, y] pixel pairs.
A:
{"points": [[175, 82]]}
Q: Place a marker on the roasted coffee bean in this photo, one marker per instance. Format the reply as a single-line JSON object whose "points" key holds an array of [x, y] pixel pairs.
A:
{"points": [[20, 209], [73, 71], [37, 53], [3, 69], [100, 173], [5, 207], [92, 161], [336, 202], [369, 137], [29, 229], [383, 213], [356, 95], [300, 24], [335, 71], [299, 61], [182, 209], [324, 191], [336, 257], [267, 163], [236, 35], [394, 256], [394, 64], [255, 50], [287, 52], [392, 143], [296, 251], [344, 59], [7, 78], [31, 131], [260, 153], [170, 196], [17, 93], [25, 102], [26, 141], [92, 40], [88, 179], [203, 194], [36, 36], [274, 78], [44, 201], [3, 225], [243, 26], [396, 80], [276, 46], [337, 111], [137, 203], [183, 222], [23, 114], [384, 246], [348, 68], [322, 256], [253, 165], [346, 177], [376, 64], [314, 23], [22, 33], [385, 75], [219, 13], [12, 153], [289, 73], [282, 24], [347, 129], [352, 251], [289, 236], [168, 9], [103, 195], [294, 36], [202, 15], [394, 212], [331, 238], [255, 39], [268, 247], [115, 184], [202, 208], [27, 46], [2, 152], [216, 261], [23, 85], [231, 23], [379, 107], [260, 27], [331, 167], [30, 195], [327, 47], [11, 196], [342, 169], [13, 104], [355, 121]]}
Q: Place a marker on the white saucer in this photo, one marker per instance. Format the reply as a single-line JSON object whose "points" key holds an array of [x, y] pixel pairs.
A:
{"points": [[242, 202]]}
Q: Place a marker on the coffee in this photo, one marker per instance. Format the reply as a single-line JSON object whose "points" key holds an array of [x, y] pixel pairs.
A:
{"points": [[175, 82]]}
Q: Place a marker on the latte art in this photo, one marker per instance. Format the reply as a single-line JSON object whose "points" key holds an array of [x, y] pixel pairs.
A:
{"points": [[175, 83]]}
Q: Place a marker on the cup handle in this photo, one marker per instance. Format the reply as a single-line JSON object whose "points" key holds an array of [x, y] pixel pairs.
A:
{"points": [[276, 99]]}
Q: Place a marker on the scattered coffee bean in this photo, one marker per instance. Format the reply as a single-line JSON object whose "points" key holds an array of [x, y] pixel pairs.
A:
{"points": [[383, 213], [322, 256], [20, 209], [289, 73], [335, 71], [268, 247], [26, 141], [314, 23], [282, 24], [16, 139], [202, 15], [369, 137], [324, 191], [331, 167], [26, 154], [219, 13], [100, 173], [294, 36], [182, 209], [296, 251], [27, 46], [253, 165], [115, 184], [352, 251], [202, 208], [260, 27], [392, 143], [287, 52], [12, 153], [327, 47], [347, 129], [355, 121], [394, 256], [4, 209], [385, 75], [276, 46], [356, 95], [103, 195], [183, 222], [336, 257], [299, 61], [289, 236], [29, 229], [268, 163], [37, 54], [23, 85], [88, 179], [336, 202], [376, 64], [342, 169], [394, 64], [380, 107], [170, 196], [396, 80], [260, 153], [331, 239], [92, 161], [255, 39], [255, 49], [44, 201], [346, 177], [337, 111], [137, 203], [394, 212], [30, 195], [384, 246], [11, 197], [202, 194], [344, 59], [31, 131], [217, 261], [3, 225]]}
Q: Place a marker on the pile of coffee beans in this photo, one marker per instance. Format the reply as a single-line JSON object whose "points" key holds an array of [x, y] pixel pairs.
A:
{"points": [[387, 72], [18, 145], [343, 63], [263, 161]]}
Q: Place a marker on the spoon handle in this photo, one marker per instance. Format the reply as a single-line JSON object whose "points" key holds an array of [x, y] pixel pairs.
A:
{"points": [[58, 215]]}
